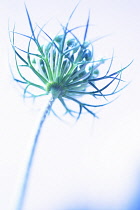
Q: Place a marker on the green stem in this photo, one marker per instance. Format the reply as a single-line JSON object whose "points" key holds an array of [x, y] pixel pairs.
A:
{"points": [[22, 196]]}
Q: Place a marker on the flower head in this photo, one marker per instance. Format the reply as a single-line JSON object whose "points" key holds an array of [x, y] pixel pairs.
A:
{"points": [[65, 67]]}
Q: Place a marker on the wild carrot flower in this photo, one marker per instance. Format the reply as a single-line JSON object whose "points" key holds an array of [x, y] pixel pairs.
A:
{"points": [[63, 67]]}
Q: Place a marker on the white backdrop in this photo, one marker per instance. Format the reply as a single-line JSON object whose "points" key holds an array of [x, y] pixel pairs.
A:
{"points": [[96, 162]]}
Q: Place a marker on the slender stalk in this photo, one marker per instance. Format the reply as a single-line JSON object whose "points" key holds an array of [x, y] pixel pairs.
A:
{"points": [[22, 196]]}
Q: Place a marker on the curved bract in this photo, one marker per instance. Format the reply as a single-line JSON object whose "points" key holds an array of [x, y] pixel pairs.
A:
{"points": [[65, 67]]}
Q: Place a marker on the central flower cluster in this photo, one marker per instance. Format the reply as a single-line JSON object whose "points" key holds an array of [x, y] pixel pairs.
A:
{"points": [[67, 65]]}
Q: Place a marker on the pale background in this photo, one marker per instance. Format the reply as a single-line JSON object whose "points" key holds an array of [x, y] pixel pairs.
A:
{"points": [[95, 163]]}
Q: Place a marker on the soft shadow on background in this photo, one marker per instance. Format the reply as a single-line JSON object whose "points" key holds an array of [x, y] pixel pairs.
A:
{"points": [[94, 164]]}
